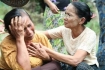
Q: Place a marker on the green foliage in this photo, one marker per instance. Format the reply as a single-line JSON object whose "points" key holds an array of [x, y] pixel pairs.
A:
{"points": [[3, 9], [35, 11], [94, 25]]}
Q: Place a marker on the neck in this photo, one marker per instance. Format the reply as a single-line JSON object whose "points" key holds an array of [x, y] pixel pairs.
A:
{"points": [[77, 31], [28, 42]]}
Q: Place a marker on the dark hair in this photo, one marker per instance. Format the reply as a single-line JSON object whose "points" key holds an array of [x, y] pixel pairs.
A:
{"points": [[82, 10], [11, 14]]}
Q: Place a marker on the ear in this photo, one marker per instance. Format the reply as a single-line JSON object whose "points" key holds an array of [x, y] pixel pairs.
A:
{"points": [[82, 20]]}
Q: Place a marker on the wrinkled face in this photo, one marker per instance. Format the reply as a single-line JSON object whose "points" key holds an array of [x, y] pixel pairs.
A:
{"points": [[71, 19], [28, 29]]}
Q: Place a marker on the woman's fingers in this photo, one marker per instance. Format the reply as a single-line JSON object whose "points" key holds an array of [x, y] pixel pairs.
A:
{"points": [[31, 48], [35, 45], [12, 24], [32, 51], [10, 28], [35, 50], [17, 27], [16, 21], [19, 21], [32, 54]]}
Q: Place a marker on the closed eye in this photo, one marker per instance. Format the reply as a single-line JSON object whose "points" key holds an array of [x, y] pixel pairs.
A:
{"points": [[29, 25]]}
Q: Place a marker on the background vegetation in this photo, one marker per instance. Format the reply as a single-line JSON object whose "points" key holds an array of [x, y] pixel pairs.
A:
{"points": [[36, 13]]}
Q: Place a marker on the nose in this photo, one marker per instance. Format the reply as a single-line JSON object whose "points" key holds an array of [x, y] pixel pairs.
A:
{"points": [[28, 30], [65, 18]]}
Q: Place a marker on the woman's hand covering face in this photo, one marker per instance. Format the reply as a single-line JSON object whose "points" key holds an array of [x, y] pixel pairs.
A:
{"points": [[17, 27]]}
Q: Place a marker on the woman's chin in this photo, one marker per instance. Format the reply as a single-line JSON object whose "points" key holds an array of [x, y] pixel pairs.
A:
{"points": [[65, 26], [30, 37]]}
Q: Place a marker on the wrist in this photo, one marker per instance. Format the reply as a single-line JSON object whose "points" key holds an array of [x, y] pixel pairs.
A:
{"points": [[50, 58], [20, 42], [20, 39]]}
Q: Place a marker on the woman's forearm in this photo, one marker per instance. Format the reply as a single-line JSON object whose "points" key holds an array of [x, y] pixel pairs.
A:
{"points": [[22, 55], [48, 2], [63, 58]]}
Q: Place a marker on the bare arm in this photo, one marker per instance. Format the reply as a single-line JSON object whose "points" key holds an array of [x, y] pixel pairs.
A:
{"points": [[52, 6], [72, 60], [39, 52], [17, 30], [46, 33], [22, 54]]}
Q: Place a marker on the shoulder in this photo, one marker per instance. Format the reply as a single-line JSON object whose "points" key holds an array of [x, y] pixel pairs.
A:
{"points": [[90, 31], [89, 34], [8, 40], [39, 34], [40, 37]]}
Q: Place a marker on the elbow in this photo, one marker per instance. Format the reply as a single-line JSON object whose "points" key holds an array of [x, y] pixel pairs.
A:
{"points": [[76, 62], [47, 35], [24, 63]]}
